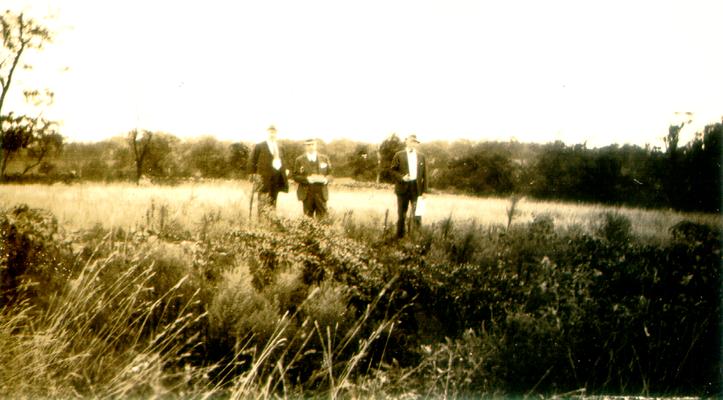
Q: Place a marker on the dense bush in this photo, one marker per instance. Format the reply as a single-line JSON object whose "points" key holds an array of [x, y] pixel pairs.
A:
{"points": [[568, 311], [34, 263]]}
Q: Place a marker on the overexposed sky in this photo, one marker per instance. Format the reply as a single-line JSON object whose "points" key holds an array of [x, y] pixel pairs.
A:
{"points": [[599, 72]]}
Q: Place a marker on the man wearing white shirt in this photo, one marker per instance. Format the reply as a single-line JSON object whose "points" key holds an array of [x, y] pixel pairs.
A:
{"points": [[267, 170], [311, 171], [409, 168]]}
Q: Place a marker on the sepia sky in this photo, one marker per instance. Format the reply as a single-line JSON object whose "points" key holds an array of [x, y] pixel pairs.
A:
{"points": [[599, 72]]}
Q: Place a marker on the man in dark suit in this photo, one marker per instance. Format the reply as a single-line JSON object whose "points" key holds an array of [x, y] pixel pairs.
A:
{"points": [[311, 171], [409, 168], [268, 172]]}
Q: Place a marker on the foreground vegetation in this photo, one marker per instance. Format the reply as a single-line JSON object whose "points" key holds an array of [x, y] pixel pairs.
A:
{"points": [[205, 305]]}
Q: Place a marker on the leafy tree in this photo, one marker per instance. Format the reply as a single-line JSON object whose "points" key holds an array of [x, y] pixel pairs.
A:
{"points": [[17, 134], [640, 178], [160, 160], [602, 178], [292, 149], [95, 170], [122, 161], [701, 168], [340, 152], [36, 135], [44, 142], [484, 169], [208, 158], [559, 172], [690, 174], [673, 175], [363, 162], [387, 149], [19, 34], [89, 160], [438, 159], [238, 158]]}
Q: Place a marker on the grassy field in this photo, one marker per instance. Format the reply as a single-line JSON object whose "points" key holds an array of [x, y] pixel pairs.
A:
{"points": [[125, 205]]}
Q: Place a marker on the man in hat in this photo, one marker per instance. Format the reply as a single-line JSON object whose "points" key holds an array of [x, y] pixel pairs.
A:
{"points": [[268, 172], [409, 169], [311, 171]]}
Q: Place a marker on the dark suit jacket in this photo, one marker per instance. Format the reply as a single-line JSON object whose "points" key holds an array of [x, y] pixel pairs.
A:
{"points": [[260, 163], [303, 168], [400, 167]]}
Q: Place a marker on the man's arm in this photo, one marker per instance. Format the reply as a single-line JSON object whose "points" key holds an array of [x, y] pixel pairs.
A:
{"points": [[324, 160], [252, 167], [425, 180], [299, 173], [396, 167], [327, 171]]}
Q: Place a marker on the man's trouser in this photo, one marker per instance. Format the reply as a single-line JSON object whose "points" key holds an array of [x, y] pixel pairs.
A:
{"points": [[409, 196], [314, 203], [267, 201]]}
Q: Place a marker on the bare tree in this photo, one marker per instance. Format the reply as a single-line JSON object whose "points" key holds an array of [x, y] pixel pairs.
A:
{"points": [[19, 34], [140, 147]]}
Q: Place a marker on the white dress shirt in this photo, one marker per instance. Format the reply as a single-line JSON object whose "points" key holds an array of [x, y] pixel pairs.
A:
{"points": [[412, 161], [274, 149]]}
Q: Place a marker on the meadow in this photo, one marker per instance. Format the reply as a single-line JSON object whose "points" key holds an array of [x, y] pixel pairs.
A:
{"points": [[125, 205], [117, 290]]}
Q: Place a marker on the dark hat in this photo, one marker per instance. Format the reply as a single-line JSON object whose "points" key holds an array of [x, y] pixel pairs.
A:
{"points": [[309, 141], [412, 138], [271, 128]]}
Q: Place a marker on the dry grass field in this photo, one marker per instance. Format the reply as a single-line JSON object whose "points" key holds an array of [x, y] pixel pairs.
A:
{"points": [[125, 205]]}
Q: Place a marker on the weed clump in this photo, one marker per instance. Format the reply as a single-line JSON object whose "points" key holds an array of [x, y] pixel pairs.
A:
{"points": [[34, 264]]}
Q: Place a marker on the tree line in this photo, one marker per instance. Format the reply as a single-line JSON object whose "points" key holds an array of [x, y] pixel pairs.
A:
{"points": [[683, 177]]}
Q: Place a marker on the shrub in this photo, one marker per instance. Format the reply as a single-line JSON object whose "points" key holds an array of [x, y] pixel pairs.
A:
{"points": [[239, 314], [615, 228], [328, 307], [33, 262], [460, 368]]}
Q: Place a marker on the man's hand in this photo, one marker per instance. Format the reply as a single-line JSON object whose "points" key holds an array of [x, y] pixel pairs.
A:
{"points": [[316, 178], [255, 178], [406, 178]]}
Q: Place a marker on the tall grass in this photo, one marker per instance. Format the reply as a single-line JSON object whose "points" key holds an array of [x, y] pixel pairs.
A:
{"points": [[122, 205], [96, 340], [136, 319]]}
